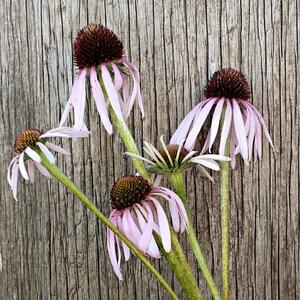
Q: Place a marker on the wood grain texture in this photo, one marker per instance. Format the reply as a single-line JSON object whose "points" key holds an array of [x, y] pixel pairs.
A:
{"points": [[53, 248]]}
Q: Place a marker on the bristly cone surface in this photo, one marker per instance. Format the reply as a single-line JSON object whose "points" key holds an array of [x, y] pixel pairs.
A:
{"points": [[28, 138], [228, 83], [172, 149], [95, 44], [129, 190]]}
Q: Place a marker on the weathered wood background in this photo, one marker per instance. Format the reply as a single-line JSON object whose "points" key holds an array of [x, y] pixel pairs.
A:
{"points": [[50, 246]]}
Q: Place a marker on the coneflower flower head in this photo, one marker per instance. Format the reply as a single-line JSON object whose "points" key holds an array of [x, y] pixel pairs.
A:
{"points": [[115, 81], [96, 44], [27, 145], [227, 93], [137, 213], [176, 158], [129, 190], [228, 83]]}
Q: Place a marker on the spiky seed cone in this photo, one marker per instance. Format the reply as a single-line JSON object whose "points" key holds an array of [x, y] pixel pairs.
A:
{"points": [[95, 44], [228, 83], [27, 138], [129, 190], [172, 149]]}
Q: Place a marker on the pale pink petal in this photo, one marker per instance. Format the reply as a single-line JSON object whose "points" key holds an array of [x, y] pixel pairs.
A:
{"points": [[79, 103], [209, 163], [100, 101], [43, 170], [14, 179], [184, 127], [112, 252], [136, 83], [118, 77], [206, 144], [71, 100], [65, 132], [214, 157], [215, 122], [199, 119], [251, 134], [205, 173], [57, 149], [112, 93], [232, 155], [226, 127], [30, 170], [33, 155], [125, 247], [240, 129], [147, 243], [263, 124], [22, 167], [130, 228], [46, 152], [163, 225], [9, 169], [258, 138]]}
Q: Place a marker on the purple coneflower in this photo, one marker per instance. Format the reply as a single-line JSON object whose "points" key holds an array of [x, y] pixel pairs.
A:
{"points": [[25, 145], [227, 93], [176, 157], [114, 80], [137, 213]]}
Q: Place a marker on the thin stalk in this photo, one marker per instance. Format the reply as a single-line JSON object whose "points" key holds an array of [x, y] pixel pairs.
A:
{"points": [[130, 145], [176, 179], [174, 259], [59, 175], [182, 269], [224, 193], [224, 181]]}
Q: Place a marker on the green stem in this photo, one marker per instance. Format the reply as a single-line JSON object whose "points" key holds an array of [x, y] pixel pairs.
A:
{"points": [[224, 193], [175, 259], [181, 268], [58, 174], [130, 145], [176, 179], [224, 181]]}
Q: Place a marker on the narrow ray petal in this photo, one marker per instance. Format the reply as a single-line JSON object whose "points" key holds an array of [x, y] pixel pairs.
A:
{"points": [[22, 167], [33, 155], [46, 152]]}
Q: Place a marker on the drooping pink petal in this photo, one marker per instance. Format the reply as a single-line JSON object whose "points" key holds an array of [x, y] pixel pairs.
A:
{"points": [[232, 155], [240, 129], [251, 134], [146, 227], [125, 247], [163, 225], [199, 119], [43, 170], [79, 103], [112, 253], [71, 100], [209, 163], [112, 93], [46, 152], [181, 132], [14, 179], [258, 137], [22, 167], [30, 170], [33, 155], [65, 132], [100, 101], [216, 121], [15, 158], [130, 229], [147, 243], [118, 77], [57, 149], [136, 83], [226, 127], [263, 124]]}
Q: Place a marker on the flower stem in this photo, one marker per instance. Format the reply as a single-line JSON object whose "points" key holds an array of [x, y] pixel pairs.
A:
{"points": [[176, 179], [181, 268], [58, 174], [176, 259], [224, 193], [130, 145]]}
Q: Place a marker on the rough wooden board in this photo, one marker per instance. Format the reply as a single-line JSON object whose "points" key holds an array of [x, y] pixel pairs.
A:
{"points": [[50, 246]]}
